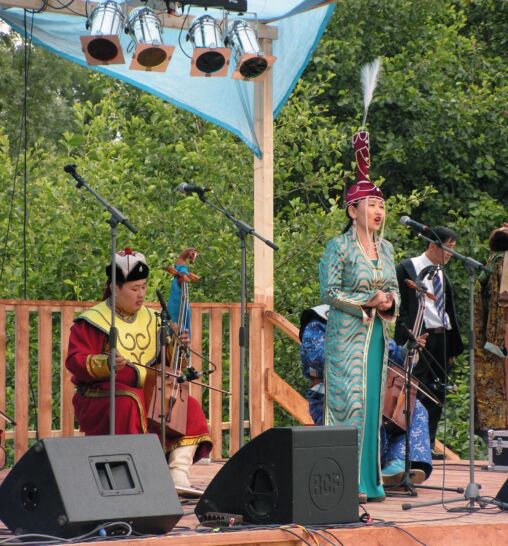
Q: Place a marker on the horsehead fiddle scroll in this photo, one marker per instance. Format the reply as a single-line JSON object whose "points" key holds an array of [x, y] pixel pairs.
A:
{"points": [[167, 401]]}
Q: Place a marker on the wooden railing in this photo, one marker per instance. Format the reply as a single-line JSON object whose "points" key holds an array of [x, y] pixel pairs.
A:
{"points": [[37, 333]]}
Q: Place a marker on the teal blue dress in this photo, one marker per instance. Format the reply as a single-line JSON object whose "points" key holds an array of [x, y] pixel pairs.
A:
{"points": [[356, 345]]}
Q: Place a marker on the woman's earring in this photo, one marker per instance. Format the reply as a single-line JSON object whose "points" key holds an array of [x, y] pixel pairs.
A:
{"points": [[354, 228]]}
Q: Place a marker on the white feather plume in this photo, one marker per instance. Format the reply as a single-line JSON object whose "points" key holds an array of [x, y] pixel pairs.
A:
{"points": [[369, 75]]}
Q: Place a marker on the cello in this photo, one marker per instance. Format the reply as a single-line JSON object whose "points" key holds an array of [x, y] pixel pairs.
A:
{"points": [[175, 389], [397, 379]]}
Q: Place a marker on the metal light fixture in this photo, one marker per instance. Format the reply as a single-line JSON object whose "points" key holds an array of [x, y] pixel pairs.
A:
{"points": [[102, 45], [145, 29], [210, 57], [251, 63]]}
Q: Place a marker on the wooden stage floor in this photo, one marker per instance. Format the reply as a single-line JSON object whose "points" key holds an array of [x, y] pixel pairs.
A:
{"points": [[390, 525]]}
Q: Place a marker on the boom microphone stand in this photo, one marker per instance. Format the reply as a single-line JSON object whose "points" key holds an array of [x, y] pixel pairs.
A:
{"points": [[116, 218], [243, 230], [405, 483], [472, 491]]}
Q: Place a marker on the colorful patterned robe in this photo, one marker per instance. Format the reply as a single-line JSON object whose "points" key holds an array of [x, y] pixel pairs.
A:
{"points": [[490, 369], [348, 280], [87, 360]]}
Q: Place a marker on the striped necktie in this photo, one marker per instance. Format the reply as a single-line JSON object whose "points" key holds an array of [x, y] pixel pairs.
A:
{"points": [[440, 303]]}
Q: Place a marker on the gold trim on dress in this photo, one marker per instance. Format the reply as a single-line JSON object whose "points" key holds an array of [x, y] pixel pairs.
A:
{"points": [[190, 441], [97, 366]]}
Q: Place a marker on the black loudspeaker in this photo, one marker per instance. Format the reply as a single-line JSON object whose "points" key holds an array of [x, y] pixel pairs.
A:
{"points": [[502, 495], [65, 487], [306, 475]]}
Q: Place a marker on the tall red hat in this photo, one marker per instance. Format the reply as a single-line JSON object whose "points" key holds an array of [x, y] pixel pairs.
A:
{"points": [[363, 187]]}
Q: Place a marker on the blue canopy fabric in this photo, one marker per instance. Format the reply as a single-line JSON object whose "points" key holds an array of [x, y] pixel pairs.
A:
{"points": [[223, 101]]}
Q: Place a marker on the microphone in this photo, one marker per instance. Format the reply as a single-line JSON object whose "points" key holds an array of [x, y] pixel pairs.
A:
{"points": [[420, 228], [70, 168], [189, 374], [438, 385], [162, 302], [188, 189]]}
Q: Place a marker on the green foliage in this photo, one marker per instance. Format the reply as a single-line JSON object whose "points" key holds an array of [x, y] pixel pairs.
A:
{"points": [[53, 86], [454, 424]]}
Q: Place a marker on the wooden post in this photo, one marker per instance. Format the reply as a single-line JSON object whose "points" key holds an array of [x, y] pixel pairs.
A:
{"points": [[197, 347], [3, 326], [22, 371], [215, 352], [67, 388], [263, 220], [45, 375], [234, 381], [256, 383]]}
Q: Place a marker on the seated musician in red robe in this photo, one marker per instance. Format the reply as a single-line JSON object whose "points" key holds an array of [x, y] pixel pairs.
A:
{"points": [[137, 349]]}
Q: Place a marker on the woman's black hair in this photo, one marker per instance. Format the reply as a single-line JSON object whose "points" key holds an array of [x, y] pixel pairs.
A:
{"points": [[349, 224], [120, 281], [107, 289]]}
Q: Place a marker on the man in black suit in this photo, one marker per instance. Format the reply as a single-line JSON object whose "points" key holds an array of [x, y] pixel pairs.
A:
{"points": [[440, 320]]}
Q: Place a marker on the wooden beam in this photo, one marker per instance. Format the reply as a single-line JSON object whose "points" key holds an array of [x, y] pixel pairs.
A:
{"points": [[263, 186], [283, 324], [80, 9], [293, 402], [255, 374], [449, 455]]}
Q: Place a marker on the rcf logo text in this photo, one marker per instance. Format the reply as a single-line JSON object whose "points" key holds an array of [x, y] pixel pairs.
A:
{"points": [[325, 484]]}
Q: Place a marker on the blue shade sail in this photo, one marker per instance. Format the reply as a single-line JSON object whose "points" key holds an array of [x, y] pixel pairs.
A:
{"points": [[223, 101]]}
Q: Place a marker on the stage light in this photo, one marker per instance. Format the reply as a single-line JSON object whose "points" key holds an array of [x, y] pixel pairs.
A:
{"points": [[251, 63], [226, 5], [102, 45], [145, 29], [210, 57]]}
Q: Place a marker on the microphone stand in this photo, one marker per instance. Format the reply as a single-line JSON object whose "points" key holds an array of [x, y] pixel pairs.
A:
{"points": [[409, 488], [243, 230], [472, 490], [164, 334], [116, 218]]}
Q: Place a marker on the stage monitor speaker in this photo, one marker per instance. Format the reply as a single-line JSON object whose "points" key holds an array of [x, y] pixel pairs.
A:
{"points": [[306, 475], [502, 495], [65, 487]]}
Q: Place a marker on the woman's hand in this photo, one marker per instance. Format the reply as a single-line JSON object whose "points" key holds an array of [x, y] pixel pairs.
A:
{"points": [[120, 361], [378, 298], [381, 300], [388, 303], [185, 338]]}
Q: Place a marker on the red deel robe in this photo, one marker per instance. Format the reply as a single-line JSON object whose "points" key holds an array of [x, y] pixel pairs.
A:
{"points": [[91, 401]]}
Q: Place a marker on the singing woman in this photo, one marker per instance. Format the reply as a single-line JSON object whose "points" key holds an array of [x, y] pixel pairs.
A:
{"points": [[358, 281]]}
